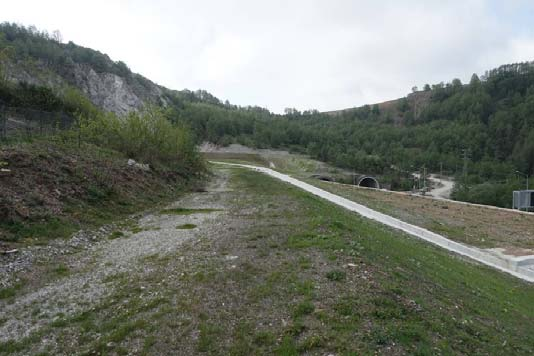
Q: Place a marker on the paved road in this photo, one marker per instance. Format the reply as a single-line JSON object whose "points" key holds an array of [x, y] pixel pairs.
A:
{"points": [[444, 189], [512, 265]]}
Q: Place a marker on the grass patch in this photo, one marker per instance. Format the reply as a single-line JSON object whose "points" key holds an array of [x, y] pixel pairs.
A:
{"points": [[115, 235], [61, 270], [186, 226], [207, 340], [303, 308], [336, 275], [9, 292]]}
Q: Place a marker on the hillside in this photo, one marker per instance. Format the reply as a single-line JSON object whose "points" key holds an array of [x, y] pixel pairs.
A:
{"points": [[416, 101], [39, 58]]}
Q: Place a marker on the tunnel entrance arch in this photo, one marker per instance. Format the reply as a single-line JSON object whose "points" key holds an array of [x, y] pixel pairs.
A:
{"points": [[368, 182]]}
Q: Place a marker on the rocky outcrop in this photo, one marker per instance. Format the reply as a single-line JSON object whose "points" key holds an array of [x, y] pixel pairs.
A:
{"points": [[108, 91]]}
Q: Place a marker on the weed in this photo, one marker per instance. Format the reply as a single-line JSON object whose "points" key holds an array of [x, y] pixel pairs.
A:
{"points": [[336, 275], [303, 308], [310, 343], [208, 337], [264, 338]]}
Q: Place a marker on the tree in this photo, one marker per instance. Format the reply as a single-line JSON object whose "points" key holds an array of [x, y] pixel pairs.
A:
{"points": [[475, 80], [6, 55], [376, 110]]}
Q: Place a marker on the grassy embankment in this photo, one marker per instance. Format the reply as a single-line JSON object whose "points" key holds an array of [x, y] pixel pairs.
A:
{"points": [[474, 225]]}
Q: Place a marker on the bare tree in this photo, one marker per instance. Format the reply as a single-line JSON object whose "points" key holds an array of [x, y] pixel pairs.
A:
{"points": [[57, 36]]}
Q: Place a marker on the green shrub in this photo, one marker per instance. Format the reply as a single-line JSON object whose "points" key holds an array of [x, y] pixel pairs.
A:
{"points": [[147, 137]]}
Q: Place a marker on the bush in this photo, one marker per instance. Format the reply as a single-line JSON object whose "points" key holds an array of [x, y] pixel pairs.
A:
{"points": [[147, 137]]}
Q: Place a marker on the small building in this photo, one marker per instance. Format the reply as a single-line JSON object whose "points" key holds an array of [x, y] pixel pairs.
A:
{"points": [[523, 199]]}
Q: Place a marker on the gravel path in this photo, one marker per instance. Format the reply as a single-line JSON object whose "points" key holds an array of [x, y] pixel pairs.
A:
{"points": [[86, 285]]}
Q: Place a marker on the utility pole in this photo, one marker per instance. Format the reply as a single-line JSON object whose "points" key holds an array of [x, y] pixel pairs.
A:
{"points": [[424, 177], [465, 154], [440, 171]]}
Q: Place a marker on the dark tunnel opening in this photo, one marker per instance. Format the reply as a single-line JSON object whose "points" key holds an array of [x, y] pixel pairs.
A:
{"points": [[369, 182]]}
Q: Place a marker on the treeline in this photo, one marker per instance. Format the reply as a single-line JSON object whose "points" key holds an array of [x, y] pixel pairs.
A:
{"points": [[29, 42], [481, 132]]}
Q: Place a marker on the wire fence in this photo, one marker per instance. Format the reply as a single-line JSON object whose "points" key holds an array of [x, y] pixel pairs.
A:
{"points": [[16, 122]]}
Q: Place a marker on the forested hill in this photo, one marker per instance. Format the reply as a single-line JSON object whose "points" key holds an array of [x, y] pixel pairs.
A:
{"points": [[482, 132]]}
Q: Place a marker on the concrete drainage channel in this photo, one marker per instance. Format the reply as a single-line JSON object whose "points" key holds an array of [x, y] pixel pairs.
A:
{"points": [[521, 267]]}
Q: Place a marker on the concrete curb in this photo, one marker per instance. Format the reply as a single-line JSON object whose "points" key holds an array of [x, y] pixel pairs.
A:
{"points": [[515, 266]]}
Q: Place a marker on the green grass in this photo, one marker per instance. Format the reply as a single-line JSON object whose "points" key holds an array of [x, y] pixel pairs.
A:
{"points": [[61, 270], [336, 275], [423, 299], [38, 232], [209, 333], [303, 308], [185, 211], [186, 226], [115, 235], [9, 292]]}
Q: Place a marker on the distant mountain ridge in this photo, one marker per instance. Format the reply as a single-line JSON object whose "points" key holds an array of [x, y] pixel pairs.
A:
{"points": [[416, 101]]}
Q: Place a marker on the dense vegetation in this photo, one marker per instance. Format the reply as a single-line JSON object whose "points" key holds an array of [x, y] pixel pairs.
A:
{"points": [[482, 132]]}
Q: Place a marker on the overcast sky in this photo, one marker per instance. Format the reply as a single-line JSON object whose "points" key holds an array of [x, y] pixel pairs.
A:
{"points": [[308, 54]]}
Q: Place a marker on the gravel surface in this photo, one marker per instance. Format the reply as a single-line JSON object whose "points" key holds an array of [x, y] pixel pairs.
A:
{"points": [[91, 258]]}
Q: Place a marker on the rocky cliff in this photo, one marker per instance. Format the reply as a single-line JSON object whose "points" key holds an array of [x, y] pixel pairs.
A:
{"points": [[108, 91]]}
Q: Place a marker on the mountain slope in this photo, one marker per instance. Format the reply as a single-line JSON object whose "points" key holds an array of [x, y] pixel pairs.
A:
{"points": [[38, 58]]}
